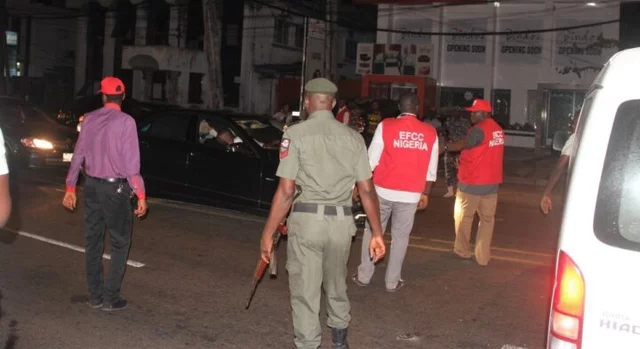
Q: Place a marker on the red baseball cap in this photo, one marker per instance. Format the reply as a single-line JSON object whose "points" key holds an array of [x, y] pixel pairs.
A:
{"points": [[480, 105], [111, 86]]}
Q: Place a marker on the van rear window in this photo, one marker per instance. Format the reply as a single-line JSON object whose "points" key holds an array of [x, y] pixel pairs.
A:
{"points": [[617, 216]]}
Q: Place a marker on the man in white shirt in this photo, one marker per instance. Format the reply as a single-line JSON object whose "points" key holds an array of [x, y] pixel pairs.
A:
{"points": [[404, 158], [5, 197], [558, 170]]}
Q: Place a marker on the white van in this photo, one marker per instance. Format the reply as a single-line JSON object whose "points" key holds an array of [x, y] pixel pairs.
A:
{"points": [[596, 295]]}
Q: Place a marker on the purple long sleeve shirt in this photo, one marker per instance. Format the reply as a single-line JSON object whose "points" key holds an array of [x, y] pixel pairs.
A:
{"points": [[108, 147]]}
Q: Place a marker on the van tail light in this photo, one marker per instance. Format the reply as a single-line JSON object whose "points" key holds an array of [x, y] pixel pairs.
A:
{"points": [[567, 314]]}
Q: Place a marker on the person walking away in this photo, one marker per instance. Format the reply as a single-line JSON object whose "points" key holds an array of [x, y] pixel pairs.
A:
{"points": [[456, 129], [561, 165], [325, 159], [479, 176], [404, 157], [5, 191], [373, 119], [108, 147], [344, 114]]}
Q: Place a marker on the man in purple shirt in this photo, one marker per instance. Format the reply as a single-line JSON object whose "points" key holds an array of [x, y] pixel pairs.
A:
{"points": [[108, 147]]}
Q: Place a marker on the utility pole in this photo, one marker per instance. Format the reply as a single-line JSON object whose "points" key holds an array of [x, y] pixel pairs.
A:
{"points": [[303, 71], [212, 12], [4, 19]]}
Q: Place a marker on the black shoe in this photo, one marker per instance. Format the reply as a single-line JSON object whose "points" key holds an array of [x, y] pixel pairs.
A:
{"points": [[339, 337], [115, 306], [95, 303]]}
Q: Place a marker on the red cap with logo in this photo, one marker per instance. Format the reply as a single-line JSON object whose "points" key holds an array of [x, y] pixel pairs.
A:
{"points": [[111, 86], [480, 105]]}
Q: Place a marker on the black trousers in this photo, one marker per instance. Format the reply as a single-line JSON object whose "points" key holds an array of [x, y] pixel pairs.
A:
{"points": [[107, 209]]}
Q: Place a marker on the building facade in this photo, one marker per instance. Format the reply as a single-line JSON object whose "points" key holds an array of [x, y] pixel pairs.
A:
{"points": [[274, 46], [536, 79], [156, 48]]}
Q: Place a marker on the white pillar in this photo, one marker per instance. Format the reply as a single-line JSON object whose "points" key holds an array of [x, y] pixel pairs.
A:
{"points": [[81, 53], [142, 11], [109, 48], [174, 25], [183, 89], [140, 40]]}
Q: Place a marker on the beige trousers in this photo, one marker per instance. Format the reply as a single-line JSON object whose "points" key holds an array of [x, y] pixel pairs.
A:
{"points": [[466, 207]]}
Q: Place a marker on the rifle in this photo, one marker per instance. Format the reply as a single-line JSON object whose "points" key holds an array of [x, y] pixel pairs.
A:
{"points": [[262, 265], [273, 263]]}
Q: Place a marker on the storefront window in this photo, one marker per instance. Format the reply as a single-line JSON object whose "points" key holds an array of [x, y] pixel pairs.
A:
{"points": [[459, 96], [501, 107]]}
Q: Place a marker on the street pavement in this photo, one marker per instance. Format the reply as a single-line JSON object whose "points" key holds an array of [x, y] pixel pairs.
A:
{"points": [[190, 271]]}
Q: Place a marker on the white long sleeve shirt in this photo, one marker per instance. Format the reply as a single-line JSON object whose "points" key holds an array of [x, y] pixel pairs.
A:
{"points": [[375, 152]]}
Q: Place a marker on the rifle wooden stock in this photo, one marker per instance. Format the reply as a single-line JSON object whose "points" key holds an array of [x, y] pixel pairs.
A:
{"points": [[262, 265]]}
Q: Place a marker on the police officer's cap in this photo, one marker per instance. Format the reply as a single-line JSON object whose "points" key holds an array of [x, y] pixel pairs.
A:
{"points": [[321, 85]]}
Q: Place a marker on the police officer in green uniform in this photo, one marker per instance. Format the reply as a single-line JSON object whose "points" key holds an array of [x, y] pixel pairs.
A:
{"points": [[325, 159]]}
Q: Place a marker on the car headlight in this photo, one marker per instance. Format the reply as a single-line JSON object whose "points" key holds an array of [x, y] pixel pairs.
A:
{"points": [[36, 143]]}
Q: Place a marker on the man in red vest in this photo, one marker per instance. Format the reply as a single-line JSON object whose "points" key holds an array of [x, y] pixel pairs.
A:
{"points": [[404, 157], [479, 177], [344, 114]]}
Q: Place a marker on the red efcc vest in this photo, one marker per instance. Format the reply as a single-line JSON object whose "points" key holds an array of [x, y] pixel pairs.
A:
{"points": [[482, 165], [405, 158], [340, 116]]}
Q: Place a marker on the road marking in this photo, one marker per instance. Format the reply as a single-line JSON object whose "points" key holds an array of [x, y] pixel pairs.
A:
{"points": [[504, 249], [508, 259], [132, 263], [509, 346]]}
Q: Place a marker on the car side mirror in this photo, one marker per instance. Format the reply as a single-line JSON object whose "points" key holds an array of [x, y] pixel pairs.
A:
{"points": [[559, 139]]}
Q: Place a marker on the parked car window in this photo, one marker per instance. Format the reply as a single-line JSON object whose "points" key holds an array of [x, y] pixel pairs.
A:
{"points": [[617, 218], [172, 127], [216, 133], [267, 136]]}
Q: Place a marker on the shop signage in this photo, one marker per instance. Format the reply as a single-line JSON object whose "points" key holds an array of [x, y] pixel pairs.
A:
{"points": [[466, 48], [578, 46], [395, 59], [521, 48]]}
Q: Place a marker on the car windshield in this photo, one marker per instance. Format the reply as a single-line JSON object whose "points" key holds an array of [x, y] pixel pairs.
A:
{"points": [[266, 135]]}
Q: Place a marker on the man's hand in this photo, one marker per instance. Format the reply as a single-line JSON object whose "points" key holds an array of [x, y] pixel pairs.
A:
{"points": [[377, 249], [423, 203], [545, 204], [142, 208], [355, 196], [69, 200], [266, 244]]}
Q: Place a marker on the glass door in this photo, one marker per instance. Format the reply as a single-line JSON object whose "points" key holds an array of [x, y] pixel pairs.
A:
{"points": [[558, 111]]}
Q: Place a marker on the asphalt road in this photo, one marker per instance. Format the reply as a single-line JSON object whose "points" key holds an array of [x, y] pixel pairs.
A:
{"points": [[191, 269]]}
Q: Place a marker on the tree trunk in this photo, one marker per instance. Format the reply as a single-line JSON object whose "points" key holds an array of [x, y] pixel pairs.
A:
{"points": [[212, 11]]}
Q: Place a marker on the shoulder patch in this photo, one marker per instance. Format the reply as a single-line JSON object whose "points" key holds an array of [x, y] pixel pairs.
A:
{"points": [[284, 147]]}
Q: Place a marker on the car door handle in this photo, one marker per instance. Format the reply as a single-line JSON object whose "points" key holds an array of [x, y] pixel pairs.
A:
{"points": [[192, 154], [269, 179]]}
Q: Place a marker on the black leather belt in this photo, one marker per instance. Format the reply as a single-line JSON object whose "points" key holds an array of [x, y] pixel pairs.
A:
{"points": [[109, 180], [329, 210]]}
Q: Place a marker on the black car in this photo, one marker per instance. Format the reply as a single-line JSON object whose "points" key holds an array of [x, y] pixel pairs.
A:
{"points": [[217, 158], [34, 138], [74, 114]]}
